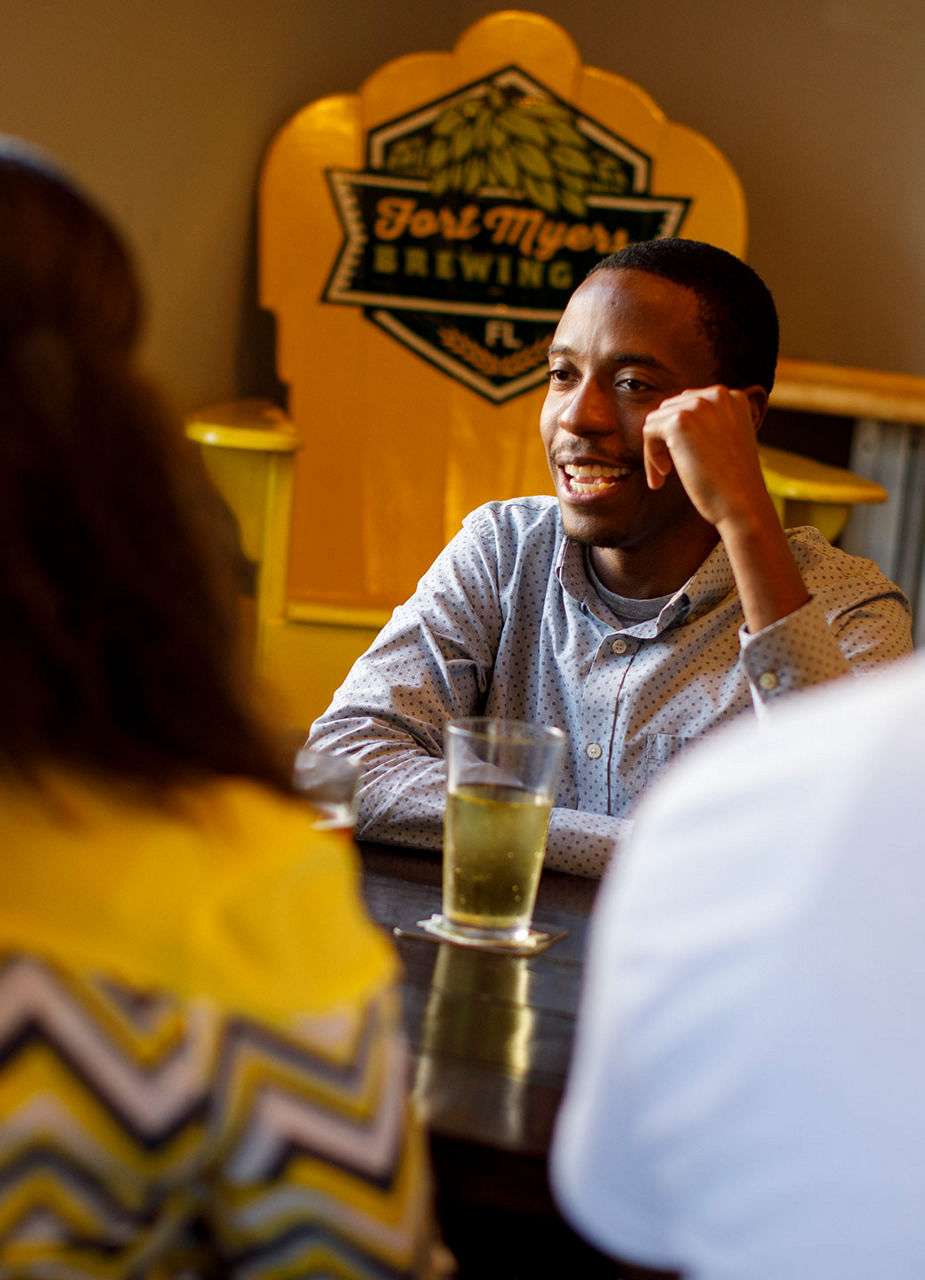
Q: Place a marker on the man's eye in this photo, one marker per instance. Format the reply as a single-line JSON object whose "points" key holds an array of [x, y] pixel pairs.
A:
{"points": [[559, 375], [633, 384]]}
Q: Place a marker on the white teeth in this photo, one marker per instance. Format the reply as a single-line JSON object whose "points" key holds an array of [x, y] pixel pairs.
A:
{"points": [[592, 477], [594, 471]]}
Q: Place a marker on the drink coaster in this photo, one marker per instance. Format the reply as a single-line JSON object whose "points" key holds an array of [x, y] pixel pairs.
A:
{"points": [[438, 929]]}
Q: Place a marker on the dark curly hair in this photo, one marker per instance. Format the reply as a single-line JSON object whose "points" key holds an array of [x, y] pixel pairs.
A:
{"points": [[736, 306], [119, 633]]}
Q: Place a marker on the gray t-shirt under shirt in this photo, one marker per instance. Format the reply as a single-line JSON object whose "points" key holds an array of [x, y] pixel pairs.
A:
{"points": [[626, 610]]}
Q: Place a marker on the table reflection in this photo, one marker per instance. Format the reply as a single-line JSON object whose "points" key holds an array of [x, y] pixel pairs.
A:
{"points": [[477, 1013]]}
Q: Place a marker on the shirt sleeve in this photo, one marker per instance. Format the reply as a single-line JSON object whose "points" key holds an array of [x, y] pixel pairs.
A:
{"points": [[584, 843], [433, 662], [813, 644], [320, 1157]]}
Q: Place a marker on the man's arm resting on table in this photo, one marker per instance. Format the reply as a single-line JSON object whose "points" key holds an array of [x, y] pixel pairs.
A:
{"points": [[403, 799], [431, 663], [584, 843]]}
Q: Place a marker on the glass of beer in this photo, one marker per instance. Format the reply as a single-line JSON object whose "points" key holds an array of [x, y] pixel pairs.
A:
{"points": [[500, 786], [329, 783]]}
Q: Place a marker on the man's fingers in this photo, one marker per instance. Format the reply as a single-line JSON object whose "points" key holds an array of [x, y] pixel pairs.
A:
{"points": [[657, 462]]}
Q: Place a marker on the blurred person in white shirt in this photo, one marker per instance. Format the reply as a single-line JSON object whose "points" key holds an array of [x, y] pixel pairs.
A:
{"points": [[746, 1096]]}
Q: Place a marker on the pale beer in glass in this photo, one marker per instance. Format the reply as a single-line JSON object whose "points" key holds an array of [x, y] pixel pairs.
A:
{"points": [[501, 779]]}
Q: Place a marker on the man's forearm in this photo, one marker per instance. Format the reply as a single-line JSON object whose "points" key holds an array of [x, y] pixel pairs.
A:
{"points": [[768, 578], [583, 843]]}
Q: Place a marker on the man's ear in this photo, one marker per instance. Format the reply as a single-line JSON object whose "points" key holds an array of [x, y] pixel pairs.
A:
{"points": [[757, 403]]}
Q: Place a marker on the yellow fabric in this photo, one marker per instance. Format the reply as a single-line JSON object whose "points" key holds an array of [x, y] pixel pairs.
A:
{"points": [[228, 894]]}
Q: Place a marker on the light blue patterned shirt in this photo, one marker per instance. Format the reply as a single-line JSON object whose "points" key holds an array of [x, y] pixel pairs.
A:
{"points": [[506, 623]]}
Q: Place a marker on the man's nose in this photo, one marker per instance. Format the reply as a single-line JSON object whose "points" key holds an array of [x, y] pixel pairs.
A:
{"points": [[590, 410]]}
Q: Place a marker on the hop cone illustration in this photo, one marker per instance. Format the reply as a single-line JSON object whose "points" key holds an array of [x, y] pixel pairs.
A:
{"points": [[530, 145]]}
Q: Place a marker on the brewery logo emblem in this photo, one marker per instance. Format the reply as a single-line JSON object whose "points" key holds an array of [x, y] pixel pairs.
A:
{"points": [[475, 217]]}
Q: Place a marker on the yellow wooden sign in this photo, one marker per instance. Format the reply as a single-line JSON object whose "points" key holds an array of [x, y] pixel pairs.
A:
{"points": [[418, 240]]}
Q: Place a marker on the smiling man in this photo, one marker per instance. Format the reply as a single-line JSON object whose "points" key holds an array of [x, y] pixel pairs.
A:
{"points": [[654, 598]]}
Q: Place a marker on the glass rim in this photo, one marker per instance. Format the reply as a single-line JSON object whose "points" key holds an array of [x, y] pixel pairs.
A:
{"points": [[512, 731]]}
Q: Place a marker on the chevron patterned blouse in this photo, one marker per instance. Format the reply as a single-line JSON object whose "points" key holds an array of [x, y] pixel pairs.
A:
{"points": [[201, 1066]]}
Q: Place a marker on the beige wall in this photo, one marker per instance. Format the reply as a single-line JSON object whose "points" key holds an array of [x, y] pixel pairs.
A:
{"points": [[164, 108]]}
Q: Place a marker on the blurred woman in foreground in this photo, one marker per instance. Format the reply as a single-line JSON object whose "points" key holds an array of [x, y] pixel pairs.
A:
{"points": [[201, 1068]]}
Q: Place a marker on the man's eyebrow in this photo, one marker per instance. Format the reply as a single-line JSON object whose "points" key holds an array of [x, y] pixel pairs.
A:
{"points": [[619, 358]]}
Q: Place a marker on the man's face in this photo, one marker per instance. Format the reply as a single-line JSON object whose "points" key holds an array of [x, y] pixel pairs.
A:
{"points": [[625, 342]]}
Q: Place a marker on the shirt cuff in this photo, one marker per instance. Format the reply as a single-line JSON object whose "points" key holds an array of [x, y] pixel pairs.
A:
{"points": [[793, 653]]}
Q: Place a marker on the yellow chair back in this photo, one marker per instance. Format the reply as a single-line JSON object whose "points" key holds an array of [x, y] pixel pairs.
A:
{"points": [[396, 451]]}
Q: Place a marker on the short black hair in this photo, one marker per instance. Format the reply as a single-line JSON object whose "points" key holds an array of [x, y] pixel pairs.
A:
{"points": [[736, 307]]}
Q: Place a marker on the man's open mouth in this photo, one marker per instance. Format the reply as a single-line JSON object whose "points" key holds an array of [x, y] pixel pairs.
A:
{"points": [[589, 478]]}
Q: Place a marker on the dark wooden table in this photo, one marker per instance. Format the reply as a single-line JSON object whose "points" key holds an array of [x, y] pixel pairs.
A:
{"points": [[492, 1036]]}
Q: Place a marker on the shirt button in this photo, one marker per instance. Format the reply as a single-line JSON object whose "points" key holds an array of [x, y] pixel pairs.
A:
{"points": [[619, 646], [594, 750], [768, 681]]}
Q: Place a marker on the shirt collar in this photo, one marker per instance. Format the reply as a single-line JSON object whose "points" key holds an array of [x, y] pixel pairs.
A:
{"points": [[709, 584]]}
